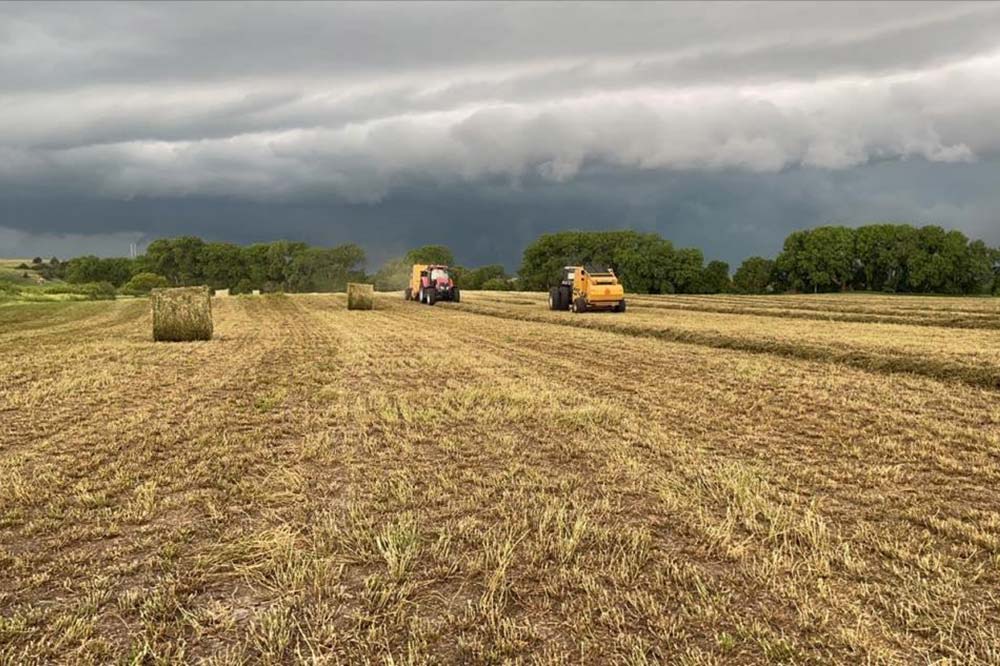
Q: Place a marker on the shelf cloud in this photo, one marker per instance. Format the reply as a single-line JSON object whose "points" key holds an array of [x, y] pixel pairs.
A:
{"points": [[339, 108]]}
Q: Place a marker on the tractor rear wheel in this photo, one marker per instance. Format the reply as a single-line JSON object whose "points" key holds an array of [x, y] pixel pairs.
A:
{"points": [[420, 296], [555, 298], [456, 295]]}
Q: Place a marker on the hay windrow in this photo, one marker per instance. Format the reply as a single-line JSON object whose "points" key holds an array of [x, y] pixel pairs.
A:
{"points": [[985, 376], [943, 320], [182, 314], [360, 296], [810, 311]]}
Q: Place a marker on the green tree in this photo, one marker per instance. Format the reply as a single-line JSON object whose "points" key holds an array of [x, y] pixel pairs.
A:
{"points": [[830, 258], [177, 259], [979, 269], [820, 259], [244, 286], [645, 263], [715, 278], [222, 265], [688, 271], [326, 269], [477, 277], [495, 284], [995, 254], [935, 261], [99, 291], [879, 262], [255, 264], [142, 283], [754, 276], [267, 265], [430, 254], [115, 271]]}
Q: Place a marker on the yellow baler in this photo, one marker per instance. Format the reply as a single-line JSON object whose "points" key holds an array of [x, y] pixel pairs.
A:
{"points": [[588, 288]]}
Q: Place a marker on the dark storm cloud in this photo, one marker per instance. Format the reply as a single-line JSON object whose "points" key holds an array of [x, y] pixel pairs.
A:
{"points": [[731, 215], [481, 125]]}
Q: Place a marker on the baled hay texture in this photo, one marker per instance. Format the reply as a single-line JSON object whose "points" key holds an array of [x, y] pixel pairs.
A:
{"points": [[360, 296], [182, 314]]}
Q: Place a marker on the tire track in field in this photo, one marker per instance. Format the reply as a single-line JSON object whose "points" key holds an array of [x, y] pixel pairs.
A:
{"points": [[980, 376]]}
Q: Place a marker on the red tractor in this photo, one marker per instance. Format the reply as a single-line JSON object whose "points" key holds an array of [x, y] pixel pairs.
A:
{"points": [[430, 283]]}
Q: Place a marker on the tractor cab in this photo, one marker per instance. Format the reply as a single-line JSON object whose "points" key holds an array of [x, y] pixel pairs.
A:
{"points": [[439, 275]]}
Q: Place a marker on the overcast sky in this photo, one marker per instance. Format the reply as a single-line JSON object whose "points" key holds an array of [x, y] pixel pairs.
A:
{"points": [[722, 126]]}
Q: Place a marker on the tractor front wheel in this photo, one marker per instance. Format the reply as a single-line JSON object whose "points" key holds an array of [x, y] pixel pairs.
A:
{"points": [[554, 298], [456, 295], [565, 297], [431, 297]]}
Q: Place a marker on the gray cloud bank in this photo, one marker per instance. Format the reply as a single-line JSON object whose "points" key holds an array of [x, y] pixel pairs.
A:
{"points": [[603, 108]]}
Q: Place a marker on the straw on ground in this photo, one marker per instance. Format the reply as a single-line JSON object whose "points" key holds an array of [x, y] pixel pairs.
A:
{"points": [[433, 485]]}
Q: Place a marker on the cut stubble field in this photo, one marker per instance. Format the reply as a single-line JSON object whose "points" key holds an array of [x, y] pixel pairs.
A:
{"points": [[699, 480]]}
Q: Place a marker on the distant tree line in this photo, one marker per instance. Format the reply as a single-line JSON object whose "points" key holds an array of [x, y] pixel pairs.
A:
{"points": [[188, 260], [269, 267], [879, 257], [645, 262], [897, 258]]}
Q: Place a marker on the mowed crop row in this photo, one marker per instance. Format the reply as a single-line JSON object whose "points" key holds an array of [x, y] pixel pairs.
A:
{"points": [[433, 485], [847, 309], [949, 319], [851, 302], [969, 356]]}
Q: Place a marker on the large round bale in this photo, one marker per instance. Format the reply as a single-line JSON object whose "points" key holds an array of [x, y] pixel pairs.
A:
{"points": [[360, 296], [181, 314]]}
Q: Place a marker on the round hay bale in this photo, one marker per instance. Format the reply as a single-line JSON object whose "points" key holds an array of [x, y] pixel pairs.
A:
{"points": [[181, 314], [360, 296]]}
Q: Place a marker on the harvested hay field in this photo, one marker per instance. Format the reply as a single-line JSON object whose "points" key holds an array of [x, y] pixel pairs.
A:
{"points": [[491, 482]]}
